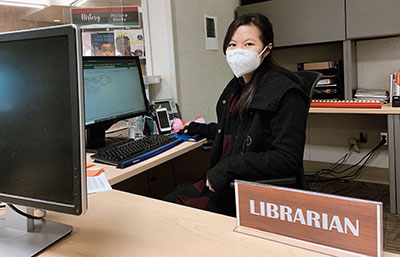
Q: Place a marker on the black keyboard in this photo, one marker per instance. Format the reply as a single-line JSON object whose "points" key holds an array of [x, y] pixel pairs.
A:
{"points": [[132, 151]]}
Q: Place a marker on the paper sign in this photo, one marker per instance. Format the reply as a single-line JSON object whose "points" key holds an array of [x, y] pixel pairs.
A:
{"points": [[109, 16]]}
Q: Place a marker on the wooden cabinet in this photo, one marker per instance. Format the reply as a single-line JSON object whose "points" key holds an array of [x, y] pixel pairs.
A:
{"points": [[317, 21], [191, 166], [318, 24], [155, 182], [372, 18], [135, 185], [302, 21]]}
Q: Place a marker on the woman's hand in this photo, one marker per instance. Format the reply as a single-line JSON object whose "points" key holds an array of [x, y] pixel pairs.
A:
{"points": [[186, 127], [184, 130], [209, 186]]}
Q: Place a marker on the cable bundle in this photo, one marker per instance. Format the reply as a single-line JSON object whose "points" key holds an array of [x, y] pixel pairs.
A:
{"points": [[333, 170]]}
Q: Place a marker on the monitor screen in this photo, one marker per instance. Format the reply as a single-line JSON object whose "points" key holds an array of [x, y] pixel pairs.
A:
{"points": [[114, 89], [41, 122]]}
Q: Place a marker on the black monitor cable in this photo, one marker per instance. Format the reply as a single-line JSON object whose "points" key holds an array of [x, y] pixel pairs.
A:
{"points": [[353, 175], [26, 214], [358, 171], [339, 163], [368, 157], [364, 160]]}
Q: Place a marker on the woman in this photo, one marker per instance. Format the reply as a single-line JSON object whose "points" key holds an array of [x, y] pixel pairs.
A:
{"points": [[261, 126]]}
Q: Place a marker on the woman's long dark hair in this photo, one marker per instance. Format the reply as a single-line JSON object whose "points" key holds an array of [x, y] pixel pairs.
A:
{"points": [[267, 37]]}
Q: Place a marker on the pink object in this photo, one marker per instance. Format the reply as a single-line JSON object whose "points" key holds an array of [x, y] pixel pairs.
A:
{"points": [[177, 124]]}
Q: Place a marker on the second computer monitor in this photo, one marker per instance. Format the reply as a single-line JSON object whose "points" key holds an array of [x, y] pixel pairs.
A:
{"points": [[114, 91]]}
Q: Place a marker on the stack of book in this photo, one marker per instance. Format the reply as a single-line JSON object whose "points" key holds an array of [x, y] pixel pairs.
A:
{"points": [[316, 65], [372, 94]]}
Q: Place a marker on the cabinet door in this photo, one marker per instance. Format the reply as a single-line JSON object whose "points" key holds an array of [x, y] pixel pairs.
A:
{"points": [[161, 180], [135, 185], [372, 18], [191, 166], [302, 21]]}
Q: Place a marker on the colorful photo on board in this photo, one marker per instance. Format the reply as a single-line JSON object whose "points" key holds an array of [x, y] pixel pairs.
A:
{"points": [[129, 42], [103, 44]]}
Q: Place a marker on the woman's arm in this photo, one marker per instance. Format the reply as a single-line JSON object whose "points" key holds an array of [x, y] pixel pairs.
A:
{"points": [[283, 159], [205, 130]]}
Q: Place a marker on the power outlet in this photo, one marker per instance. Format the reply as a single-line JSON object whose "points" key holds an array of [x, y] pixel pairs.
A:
{"points": [[384, 135], [354, 142]]}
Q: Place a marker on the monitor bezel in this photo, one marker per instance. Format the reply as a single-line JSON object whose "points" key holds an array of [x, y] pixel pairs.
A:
{"points": [[73, 33]]}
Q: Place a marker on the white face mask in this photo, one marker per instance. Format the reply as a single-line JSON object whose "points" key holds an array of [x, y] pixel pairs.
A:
{"points": [[243, 61]]}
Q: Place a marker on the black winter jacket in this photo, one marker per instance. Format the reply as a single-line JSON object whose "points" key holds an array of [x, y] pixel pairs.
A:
{"points": [[268, 143]]}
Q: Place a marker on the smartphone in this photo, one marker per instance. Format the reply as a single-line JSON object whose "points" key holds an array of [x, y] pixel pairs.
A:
{"points": [[164, 124]]}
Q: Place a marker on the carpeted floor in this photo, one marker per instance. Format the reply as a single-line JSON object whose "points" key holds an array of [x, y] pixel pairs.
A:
{"points": [[369, 191]]}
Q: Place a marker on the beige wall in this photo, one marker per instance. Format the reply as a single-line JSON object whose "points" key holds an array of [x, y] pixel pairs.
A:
{"points": [[201, 74], [376, 60], [162, 49], [14, 18]]}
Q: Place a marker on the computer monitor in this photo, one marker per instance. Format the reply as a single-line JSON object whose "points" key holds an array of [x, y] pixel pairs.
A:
{"points": [[114, 91], [42, 147]]}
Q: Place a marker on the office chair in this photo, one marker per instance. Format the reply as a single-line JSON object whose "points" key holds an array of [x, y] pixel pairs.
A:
{"points": [[310, 79]]}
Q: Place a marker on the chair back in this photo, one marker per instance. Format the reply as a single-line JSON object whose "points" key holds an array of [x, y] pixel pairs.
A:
{"points": [[311, 79]]}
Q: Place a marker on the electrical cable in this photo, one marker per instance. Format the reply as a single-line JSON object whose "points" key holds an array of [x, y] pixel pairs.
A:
{"points": [[358, 171], [339, 163], [369, 156], [26, 214], [350, 176], [355, 173]]}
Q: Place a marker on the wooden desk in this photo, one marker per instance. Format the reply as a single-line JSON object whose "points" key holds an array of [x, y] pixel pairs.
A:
{"points": [[393, 125], [161, 174], [115, 175], [386, 109], [122, 224]]}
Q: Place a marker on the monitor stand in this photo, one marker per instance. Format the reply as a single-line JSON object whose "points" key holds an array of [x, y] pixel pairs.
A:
{"points": [[21, 236], [105, 142], [96, 137]]}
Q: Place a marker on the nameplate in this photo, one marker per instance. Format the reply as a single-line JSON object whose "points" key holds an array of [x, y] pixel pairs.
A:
{"points": [[344, 223]]}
